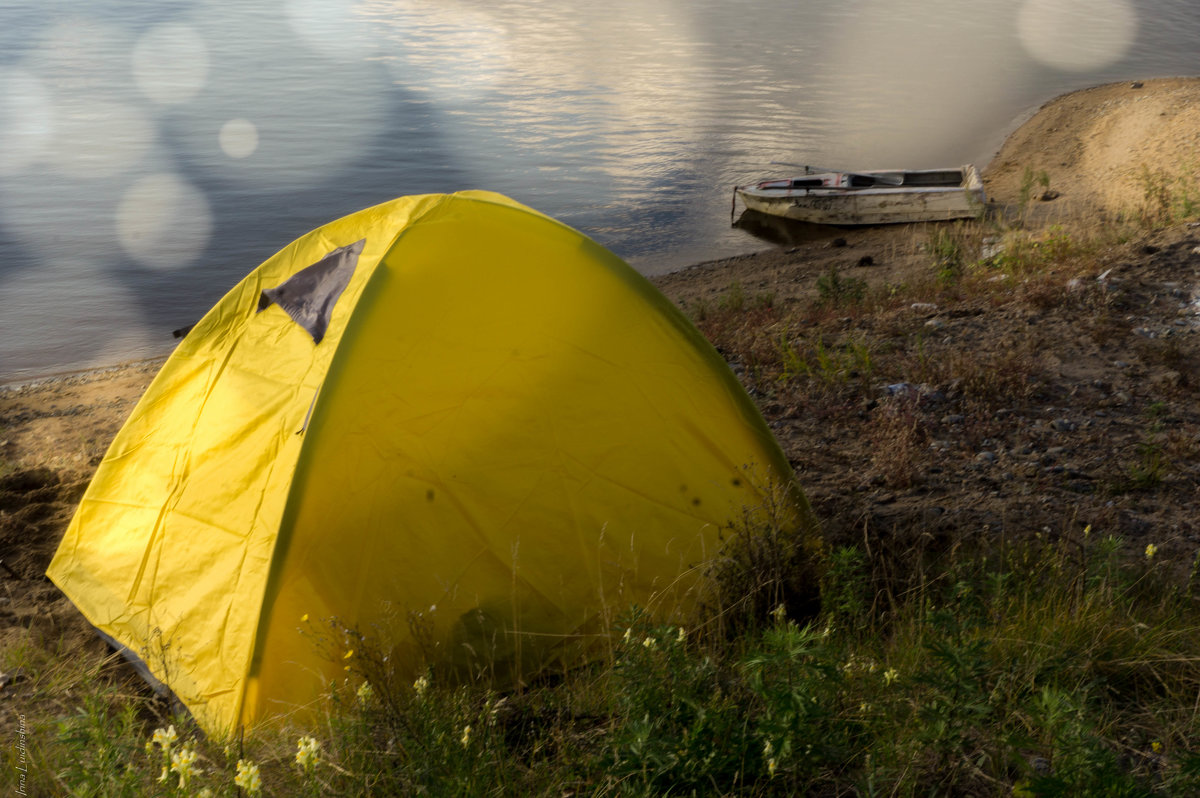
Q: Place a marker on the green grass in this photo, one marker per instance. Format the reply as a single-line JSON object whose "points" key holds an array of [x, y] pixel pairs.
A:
{"points": [[1063, 666]]}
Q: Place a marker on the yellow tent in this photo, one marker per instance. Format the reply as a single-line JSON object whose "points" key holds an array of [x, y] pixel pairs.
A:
{"points": [[449, 405]]}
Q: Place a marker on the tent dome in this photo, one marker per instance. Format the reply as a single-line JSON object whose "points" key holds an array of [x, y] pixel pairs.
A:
{"points": [[448, 407]]}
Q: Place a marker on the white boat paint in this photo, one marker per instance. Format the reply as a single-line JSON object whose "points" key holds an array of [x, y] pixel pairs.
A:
{"points": [[870, 197]]}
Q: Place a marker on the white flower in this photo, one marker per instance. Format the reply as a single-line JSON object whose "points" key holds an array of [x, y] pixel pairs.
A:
{"points": [[165, 737], [248, 777], [308, 752], [183, 762]]}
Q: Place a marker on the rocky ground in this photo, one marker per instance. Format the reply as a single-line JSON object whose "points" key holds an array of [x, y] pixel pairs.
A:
{"points": [[997, 403]]}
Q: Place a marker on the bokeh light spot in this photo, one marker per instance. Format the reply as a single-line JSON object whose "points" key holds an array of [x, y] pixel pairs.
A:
{"points": [[1077, 35], [26, 120], [170, 63], [330, 27], [163, 222], [238, 138]]}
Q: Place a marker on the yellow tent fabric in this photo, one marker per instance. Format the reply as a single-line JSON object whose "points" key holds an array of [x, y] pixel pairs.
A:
{"points": [[496, 424]]}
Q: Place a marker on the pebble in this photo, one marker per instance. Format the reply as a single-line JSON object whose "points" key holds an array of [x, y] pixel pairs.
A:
{"points": [[985, 457], [1063, 425]]}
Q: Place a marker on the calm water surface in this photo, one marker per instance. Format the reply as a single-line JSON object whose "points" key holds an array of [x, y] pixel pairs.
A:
{"points": [[151, 154]]}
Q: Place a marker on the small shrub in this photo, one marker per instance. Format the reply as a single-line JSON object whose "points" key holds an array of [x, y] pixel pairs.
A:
{"points": [[834, 290]]}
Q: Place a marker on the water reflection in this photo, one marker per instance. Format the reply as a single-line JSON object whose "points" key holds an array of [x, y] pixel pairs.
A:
{"points": [[165, 149], [784, 232]]}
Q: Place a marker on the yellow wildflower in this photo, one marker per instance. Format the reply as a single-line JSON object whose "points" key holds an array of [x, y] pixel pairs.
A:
{"points": [[890, 675], [348, 654], [1151, 550], [248, 777], [183, 762], [649, 642], [165, 738], [682, 636], [466, 735], [365, 693], [421, 685], [308, 753]]}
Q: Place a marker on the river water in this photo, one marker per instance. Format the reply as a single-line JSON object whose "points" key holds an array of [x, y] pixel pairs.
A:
{"points": [[152, 153]]}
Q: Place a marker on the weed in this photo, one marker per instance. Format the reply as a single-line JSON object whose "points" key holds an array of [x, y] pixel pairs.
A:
{"points": [[1029, 180], [1150, 466], [948, 247], [828, 365], [734, 299], [845, 588], [897, 434], [678, 725], [834, 290], [1168, 197], [764, 563], [1023, 253]]}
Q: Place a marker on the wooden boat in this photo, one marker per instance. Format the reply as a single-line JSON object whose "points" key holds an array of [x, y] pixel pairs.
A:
{"points": [[873, 197]]}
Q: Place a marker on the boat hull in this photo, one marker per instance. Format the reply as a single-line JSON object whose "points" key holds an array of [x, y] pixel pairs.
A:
{"points": [[881, 204]]}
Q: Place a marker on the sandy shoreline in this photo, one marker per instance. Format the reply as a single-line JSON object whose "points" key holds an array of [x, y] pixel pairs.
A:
{"points": [[1094, 141], [1093, 146]]}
